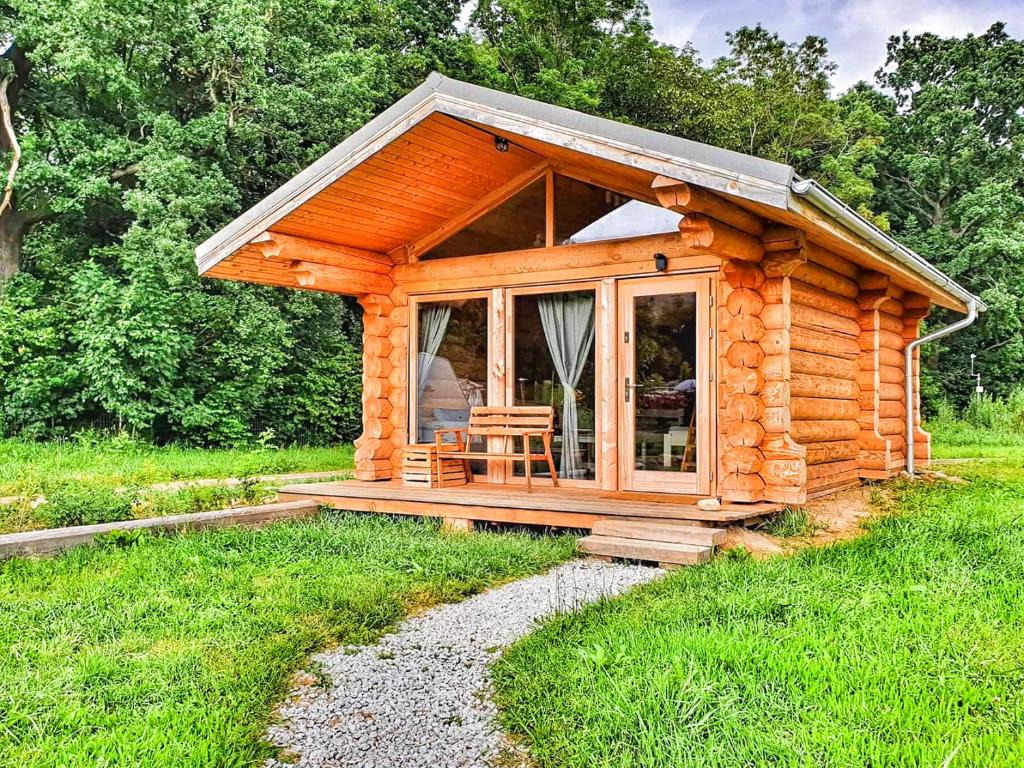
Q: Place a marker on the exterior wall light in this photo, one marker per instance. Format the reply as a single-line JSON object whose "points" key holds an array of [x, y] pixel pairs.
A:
{"points": [[501, 143], [660, 262]]}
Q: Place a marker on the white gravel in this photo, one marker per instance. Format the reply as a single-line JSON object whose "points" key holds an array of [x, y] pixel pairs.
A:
{"points": [[421, 695]]}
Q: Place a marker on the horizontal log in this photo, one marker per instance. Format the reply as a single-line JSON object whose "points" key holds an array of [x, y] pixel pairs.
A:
{"points": [[836, 345], [821, 320], [745, 433], [467, 271], [811, 408], [890, 391], [744, 301], [820, 453], [741, 460], [687, 198], [872, 320], [890, 340], [741, 274], [869, 280], [811, 385], [776, 317], [804, 293], [890, 409], [745, 354], [784, 472], [742, 407], [775, 342], [702, 233], [823, 365], [745, 328], [749, 381], [833, 261], [775, 420], [780, 237], [782, 263], [741, 482], [891, 426], [824, 431], [776, 367], [832, 468], [296, 248], [775, 394], [825, 279]]}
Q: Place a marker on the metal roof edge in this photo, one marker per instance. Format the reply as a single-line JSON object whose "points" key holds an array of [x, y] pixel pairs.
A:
{"points": [[316, 176], [835, 208]]}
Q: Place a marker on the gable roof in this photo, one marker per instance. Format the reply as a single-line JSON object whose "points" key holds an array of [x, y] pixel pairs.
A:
{"points": [[762, 185]]}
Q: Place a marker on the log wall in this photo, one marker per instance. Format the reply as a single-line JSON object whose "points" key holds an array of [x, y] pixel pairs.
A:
{"points": [[385, 394]]}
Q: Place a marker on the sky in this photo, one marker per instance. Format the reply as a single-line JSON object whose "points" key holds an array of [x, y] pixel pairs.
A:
{"points": [[857, 30]]}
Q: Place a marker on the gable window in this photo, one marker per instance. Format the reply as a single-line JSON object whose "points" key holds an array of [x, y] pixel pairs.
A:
{"points": [[585, 213], [514, 225], [556, 210]]}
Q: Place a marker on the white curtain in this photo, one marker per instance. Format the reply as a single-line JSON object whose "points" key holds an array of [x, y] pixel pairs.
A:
{"points": [[433, 323], [568, 321]]}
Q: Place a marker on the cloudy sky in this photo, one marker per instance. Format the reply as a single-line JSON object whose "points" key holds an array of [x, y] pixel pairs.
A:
{"points": [[857, 30]]}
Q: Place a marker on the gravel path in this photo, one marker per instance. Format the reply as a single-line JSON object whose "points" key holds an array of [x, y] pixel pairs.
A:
{"points": [[421, 695]]}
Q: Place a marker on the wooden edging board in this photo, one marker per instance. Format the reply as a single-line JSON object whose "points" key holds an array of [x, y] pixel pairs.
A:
{"points": [[57, 539]]}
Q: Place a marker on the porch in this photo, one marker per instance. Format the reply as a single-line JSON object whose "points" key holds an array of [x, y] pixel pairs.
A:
{"points": [[572, 507]]}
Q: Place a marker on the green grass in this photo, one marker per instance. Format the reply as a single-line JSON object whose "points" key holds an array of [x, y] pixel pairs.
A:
{"points": [[107, 480], [903, 647], [29, 467], [171, 652]]}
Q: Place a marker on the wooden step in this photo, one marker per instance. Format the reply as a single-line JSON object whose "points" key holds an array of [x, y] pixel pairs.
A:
{"points": [[639, 549], [672, 533]]}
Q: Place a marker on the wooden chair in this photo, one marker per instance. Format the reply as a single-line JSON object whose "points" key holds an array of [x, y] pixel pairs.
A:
{"points": [[508, 423]]}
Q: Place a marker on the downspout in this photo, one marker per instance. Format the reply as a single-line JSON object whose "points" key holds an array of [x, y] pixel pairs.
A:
{"points": [[908, 373]]}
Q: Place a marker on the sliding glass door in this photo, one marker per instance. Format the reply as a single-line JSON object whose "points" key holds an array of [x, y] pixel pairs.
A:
{"points": [[552, 362], [449, 363]]}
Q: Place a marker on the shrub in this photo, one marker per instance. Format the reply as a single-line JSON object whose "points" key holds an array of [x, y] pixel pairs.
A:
{"points": [[87, 506]]}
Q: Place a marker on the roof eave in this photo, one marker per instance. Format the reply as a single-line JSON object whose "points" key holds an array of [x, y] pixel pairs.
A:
{"points": [[843, 214]]}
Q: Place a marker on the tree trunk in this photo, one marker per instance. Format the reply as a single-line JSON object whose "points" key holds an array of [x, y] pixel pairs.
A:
{"points": [[12, 232]]}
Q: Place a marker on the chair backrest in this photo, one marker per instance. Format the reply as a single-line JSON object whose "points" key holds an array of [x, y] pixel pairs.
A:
{"points": [[510, 419]]}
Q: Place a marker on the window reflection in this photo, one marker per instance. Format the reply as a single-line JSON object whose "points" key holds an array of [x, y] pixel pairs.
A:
{"points": [[554, 365], [451, 365], [585, 213]]}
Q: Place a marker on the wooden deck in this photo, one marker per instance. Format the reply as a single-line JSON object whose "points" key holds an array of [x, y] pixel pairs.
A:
{"points": [[562, 507]]}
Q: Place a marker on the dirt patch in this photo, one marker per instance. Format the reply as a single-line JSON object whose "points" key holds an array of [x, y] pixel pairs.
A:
{"points": [[837, 517]]}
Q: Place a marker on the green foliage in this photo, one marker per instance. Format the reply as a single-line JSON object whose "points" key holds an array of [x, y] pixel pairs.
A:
{"points": [[173, 651], [147, 126], [792, 522], [86, 506], [898, 648], [987, 424]]}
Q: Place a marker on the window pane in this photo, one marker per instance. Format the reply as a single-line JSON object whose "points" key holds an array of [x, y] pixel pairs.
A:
{"points": [[516, 224], [554, 355], [585, 213], [665, 340], [451, 365]]}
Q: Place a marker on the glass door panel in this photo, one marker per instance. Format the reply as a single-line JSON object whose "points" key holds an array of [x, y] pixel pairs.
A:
{"points": [[450, 373], [553, 359], [664, 384]]}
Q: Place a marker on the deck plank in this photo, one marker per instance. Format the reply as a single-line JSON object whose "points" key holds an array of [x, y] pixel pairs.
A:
{"points": [[511, 503]]}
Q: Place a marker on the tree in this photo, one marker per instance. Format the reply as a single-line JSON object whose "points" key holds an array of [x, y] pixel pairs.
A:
{"points": [[952, 183], [144, 127]]}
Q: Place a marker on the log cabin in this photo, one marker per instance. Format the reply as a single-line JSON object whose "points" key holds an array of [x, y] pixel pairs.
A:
{"points": [[702, 323]]}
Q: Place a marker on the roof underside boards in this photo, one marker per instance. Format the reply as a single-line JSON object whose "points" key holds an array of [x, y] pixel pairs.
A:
{"points": [[427, 165]]}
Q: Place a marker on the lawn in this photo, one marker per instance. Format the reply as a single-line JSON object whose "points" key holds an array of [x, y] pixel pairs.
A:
{"points": [[172, 651], [99, 481], [27, 466], [903, 647]]}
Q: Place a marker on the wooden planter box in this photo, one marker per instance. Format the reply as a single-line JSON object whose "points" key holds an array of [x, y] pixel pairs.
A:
{"points": [[419, 467]]}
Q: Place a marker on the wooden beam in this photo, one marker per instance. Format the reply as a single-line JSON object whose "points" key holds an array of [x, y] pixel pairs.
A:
{"points": [[703, 233], [685, 198], [277, 244], [488, 202], [585, 261]]}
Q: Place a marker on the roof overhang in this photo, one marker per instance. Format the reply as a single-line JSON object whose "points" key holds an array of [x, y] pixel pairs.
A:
{"points": [[767, 187]]}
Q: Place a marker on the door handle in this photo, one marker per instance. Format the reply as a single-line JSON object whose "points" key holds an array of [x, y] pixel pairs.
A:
{"points": [[630, 387]]}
